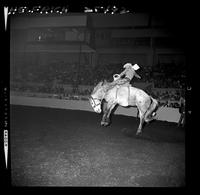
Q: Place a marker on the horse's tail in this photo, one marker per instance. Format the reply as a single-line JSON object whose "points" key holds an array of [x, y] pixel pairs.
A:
{"points": [[151, 111]]}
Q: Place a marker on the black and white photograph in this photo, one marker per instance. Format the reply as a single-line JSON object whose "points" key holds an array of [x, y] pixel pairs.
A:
{"points": [[94, 97]]}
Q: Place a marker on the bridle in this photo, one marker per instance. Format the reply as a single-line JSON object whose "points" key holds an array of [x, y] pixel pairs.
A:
{"points": [[94, 102]]}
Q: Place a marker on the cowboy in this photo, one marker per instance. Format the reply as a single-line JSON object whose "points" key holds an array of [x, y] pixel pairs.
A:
{"points": [[128, 74]]}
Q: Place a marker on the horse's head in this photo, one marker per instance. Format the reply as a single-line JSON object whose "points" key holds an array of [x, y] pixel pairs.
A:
{"points": [[96, 97]]}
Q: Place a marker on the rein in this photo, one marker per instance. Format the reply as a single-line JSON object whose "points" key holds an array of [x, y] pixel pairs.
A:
{"points": [[93, 100]]}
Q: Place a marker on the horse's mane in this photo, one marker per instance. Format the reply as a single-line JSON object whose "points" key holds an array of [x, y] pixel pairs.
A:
{"points": [[100, 84]]}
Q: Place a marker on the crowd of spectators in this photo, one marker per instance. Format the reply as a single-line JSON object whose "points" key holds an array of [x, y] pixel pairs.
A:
{"points": [[162, 75], [52, 78]]}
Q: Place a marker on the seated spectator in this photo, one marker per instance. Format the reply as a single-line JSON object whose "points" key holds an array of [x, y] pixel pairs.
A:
{"points": [[182, 111]]}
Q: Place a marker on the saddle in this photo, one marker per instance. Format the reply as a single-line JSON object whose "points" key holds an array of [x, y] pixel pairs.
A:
{"points": [[125, 85], [118, 84]]}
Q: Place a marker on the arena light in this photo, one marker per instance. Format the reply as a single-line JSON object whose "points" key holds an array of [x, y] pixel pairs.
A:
{"points": [[86, 10]]}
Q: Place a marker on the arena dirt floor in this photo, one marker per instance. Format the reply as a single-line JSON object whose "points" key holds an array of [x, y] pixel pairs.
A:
{"points": [[57, 147]]}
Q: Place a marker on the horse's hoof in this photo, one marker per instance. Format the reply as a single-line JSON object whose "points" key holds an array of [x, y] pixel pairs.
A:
{"points": [[102, 123], [138, 132], [106, 123]]}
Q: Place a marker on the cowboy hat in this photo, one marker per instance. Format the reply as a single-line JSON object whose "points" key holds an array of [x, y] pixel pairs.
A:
{"points": [[127, 65], [135, 66]]}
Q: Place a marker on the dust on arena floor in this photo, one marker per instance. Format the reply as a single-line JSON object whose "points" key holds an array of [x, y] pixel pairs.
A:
{"points": [[57, 147]]}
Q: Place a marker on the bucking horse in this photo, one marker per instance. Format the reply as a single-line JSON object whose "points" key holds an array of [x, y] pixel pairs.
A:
{"points": [[125, 96]]}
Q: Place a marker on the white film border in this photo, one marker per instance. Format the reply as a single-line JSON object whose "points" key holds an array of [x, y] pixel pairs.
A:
{"points": [[6, 146], [5, 16]]}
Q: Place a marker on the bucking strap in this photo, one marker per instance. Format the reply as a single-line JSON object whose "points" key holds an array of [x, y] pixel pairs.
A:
{"points": [[128, 93], [116, 93]]}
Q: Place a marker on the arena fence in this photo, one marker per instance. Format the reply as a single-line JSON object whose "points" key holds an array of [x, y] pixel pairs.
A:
{"points": [[81, 103]]}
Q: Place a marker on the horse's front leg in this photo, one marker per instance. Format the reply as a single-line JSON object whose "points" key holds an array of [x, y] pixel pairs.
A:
{"points": [[103, 121], [106, 117]]}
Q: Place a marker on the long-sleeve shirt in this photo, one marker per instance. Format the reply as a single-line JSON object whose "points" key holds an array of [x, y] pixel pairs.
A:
{"points": [[129, 73]]}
